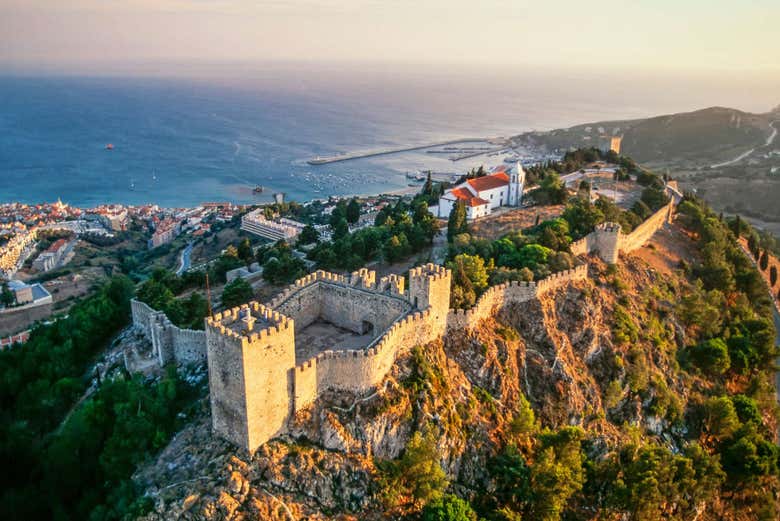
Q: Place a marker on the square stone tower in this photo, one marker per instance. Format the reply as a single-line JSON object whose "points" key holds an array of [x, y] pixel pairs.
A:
{"points": [[251, 358], [429, 285]]}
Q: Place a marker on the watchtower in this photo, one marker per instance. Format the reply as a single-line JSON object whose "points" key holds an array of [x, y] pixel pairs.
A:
{"points": [[251, 355], [606, 240], [429, 286]]}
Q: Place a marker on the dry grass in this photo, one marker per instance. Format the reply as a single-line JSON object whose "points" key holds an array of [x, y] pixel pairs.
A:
{"points": [[509, 220]]}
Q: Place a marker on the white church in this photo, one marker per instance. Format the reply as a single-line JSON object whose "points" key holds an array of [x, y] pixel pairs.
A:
{"points": [[483, 194]]}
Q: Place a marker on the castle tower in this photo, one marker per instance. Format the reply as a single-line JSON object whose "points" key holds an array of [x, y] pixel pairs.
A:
{"points": [[516, 183], [251, 359], [607, 242], [429, 286]]}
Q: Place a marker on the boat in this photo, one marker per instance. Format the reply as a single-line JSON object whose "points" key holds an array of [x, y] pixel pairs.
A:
{"points": [[110, 146], [511, 159], [257, 189]]}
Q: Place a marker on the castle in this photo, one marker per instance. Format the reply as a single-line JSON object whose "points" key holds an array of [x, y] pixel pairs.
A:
{"points": [[327, 331], [268, 362]]}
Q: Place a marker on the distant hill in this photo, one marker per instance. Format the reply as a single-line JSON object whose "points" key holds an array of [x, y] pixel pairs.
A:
{"points": [[701, 137]]}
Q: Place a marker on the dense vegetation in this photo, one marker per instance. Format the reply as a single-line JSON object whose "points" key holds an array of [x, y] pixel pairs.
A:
{"points": [[575, 160], [78, 465], [716, 455], [160, 291], [399, 231]]}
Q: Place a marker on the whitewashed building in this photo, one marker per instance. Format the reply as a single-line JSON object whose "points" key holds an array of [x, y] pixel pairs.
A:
{"points": [[482, 195]]}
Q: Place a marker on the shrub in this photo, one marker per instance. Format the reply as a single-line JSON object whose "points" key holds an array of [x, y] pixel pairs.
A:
{"points": [[711, 356]]}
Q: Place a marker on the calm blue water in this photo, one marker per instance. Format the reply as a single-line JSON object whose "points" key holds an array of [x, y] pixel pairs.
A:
{"points": [[182, 142]]}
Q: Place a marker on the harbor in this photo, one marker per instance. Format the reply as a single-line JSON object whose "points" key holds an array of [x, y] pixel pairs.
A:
{"points": [[373, 153]]}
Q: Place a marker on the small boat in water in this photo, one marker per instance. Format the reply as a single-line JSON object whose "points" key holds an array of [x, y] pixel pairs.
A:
{"points": [[110, 146], [258, 189]]}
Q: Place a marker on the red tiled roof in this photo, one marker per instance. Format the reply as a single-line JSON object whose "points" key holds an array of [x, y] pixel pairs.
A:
{"points": [[489, 182], [476, 201], [462, 193], [57, 245], [465, 196]]}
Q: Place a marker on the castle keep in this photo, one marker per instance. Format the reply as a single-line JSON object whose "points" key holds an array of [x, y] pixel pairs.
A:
{"points": [[327, 331]]}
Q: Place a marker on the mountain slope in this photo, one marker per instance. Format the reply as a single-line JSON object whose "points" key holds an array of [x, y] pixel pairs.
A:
{"points": [[602, 354], [702, 137]]}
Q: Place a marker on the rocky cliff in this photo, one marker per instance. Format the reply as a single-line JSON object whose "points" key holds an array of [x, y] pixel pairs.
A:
{"points": [[598, 354]]}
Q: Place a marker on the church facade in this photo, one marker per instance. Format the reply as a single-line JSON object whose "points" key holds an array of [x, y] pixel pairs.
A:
{"points": [[482, 195]]}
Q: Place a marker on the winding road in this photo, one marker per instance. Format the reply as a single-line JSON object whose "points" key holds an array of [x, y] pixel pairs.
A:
{"points": [[184, 262], [743, 155]]}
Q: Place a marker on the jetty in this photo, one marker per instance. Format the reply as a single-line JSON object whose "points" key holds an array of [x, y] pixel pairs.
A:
{"points": [[373, 153]]}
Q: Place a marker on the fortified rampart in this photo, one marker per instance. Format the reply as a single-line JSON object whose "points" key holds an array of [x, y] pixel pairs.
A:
{"points": [[254, 381], [170, 343], [257, 384], [607, 240], [496, 297]]}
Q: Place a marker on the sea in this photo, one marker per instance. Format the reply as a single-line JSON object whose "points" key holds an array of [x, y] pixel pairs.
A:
{"points": [[187, 138]]}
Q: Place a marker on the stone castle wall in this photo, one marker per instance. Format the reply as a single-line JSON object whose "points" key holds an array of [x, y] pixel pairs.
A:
{"points": [[501, 295], [608, 240], [263, 364], [170, 343], [345, 303], [642, 233]]}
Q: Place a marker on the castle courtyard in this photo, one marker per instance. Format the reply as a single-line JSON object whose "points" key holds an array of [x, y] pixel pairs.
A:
{"points": [[322, 335]]}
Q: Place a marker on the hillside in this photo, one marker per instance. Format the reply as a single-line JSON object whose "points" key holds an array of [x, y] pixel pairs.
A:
{"points": [[719, 152], [594, 401], [701, 137]]}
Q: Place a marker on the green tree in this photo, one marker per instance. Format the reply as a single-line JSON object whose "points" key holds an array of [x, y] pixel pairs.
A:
{"points": [[417, 477], [244, 251], [551, 190], [448, 508], [473, 268], [773, 276], [721, 419], [711, 356], [753, 246], [7, 296], [557, 473], [763, 261], [236, 293], [353, 211], [457, 221], [308, 235], [396, 247], [427, 188]]}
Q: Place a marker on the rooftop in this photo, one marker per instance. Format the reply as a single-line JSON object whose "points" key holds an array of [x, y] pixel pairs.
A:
{"points": [[489, 182]]}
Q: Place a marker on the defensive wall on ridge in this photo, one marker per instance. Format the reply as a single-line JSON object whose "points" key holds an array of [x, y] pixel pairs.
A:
{"points": [[256, 383], [608, 240], [496, 297], [170, 344]]}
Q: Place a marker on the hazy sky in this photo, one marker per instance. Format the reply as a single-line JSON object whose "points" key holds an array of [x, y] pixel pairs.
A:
{"points": [[655, 34]]}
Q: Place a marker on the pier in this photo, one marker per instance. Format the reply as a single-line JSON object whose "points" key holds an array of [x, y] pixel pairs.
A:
{"points": [[374, 153]]}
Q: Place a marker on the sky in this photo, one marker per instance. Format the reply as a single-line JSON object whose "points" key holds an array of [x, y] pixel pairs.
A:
{"points": [[670, 35]]}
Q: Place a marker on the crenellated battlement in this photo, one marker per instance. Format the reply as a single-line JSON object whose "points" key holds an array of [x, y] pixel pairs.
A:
{"points": [[608, 240], [500, 295], [249, 323]]}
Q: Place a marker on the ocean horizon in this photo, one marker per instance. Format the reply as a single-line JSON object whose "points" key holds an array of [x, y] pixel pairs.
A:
{"points": [[183, 141]]}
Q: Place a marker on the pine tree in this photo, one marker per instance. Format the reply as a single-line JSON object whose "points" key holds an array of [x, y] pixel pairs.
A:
{"points": [[764, 261], [428, 187], [457, 221], [353, 211], [773, 276], [753, 246]]}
